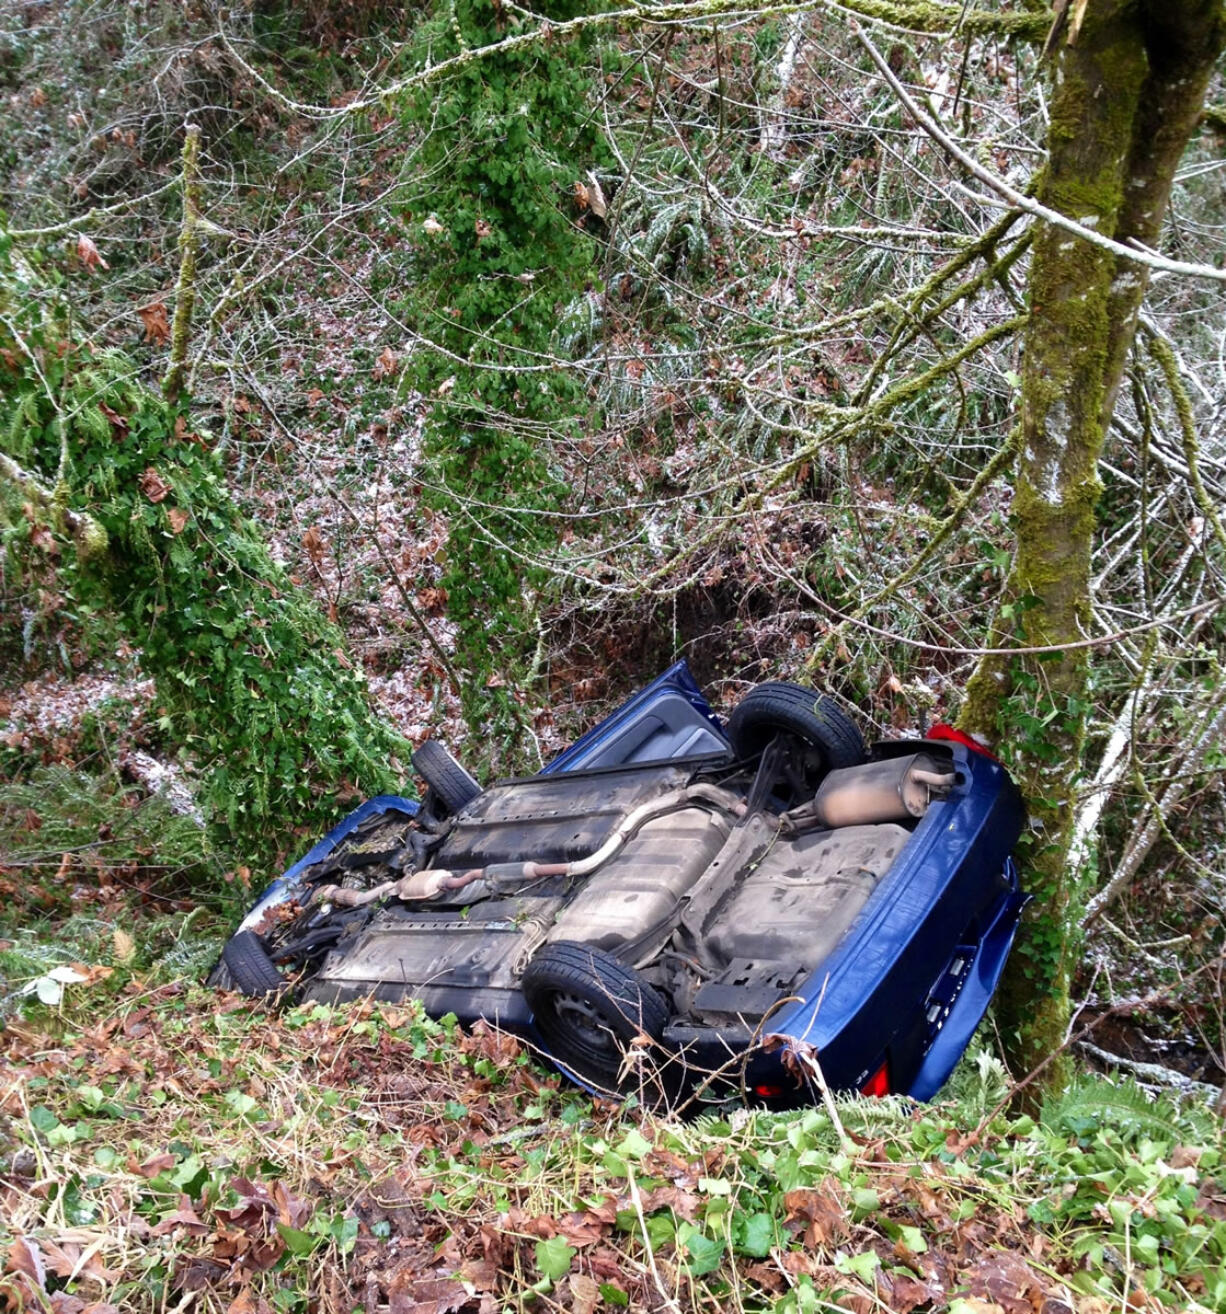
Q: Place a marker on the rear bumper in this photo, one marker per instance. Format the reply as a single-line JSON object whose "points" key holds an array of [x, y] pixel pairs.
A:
{"points": [[913, 977], [953, 1027]]}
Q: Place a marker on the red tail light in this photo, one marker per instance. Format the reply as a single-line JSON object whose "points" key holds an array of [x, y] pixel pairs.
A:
{"points": [[879, 1083], [767, 1091], [943, 731]]}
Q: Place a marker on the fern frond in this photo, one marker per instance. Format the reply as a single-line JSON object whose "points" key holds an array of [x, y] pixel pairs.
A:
{"points": [[1093, 1101]]}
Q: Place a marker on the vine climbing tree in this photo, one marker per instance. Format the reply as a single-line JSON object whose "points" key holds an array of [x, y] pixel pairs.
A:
{"points": [[498, 213], [122, 491]]}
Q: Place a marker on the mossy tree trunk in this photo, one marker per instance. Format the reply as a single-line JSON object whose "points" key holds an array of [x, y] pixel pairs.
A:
{"points": [[189, 250], [1129, 86]]}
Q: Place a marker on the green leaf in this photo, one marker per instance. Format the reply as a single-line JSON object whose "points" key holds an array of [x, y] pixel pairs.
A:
{"points": [[79, 1211], [661, 1230], [240, 1102], [613, 1295], [633, 1145], [296, 1241], [758, 1235], [91, 1097], [861, 1266], [344, 1231], [704, 1251], [553, 1257], [42, 1119], [913, 1239]]}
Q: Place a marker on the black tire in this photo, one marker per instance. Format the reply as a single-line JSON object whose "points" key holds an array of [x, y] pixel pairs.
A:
{"points": [[249, 968], [452, 785], [791, 708], [589, 1007]]}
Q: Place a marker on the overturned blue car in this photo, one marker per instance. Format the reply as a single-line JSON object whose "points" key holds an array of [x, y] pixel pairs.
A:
{"points": [[674, 906]]}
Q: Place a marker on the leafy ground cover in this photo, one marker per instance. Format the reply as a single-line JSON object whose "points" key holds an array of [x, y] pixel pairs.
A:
{"points": [[170, 1148]]}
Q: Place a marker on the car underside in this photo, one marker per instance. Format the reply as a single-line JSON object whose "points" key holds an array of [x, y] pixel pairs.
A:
{"points": [[671, 911]]}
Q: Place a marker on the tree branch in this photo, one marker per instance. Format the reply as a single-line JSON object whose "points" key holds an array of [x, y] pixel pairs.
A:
{"points": [[1138, 254], [189, 248]]}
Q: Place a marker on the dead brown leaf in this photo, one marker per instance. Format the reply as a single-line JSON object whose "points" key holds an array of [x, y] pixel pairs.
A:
{"points": [[1002, 1277], [69, 1261], [824, 1218], [432, 600], [313, 545], [154, 487], [183, 1218], [425, 1295], [584, 1293], [119, 423], [907, 1293], [482, 228], [158, 1163], [178, 519], [1186, 1156], [767, 1277], [292, 1210], [26, 1258], [581, 1229], [88, 253], [156, 322], [685, 1204], [246, 1302], [386, 365]]}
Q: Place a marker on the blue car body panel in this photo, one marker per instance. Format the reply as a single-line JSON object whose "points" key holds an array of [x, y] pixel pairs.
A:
{"points": [[898, 952], [668, 719], [911, 979]]}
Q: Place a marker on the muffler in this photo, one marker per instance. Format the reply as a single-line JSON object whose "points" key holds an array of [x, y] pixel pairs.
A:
{"points": [[896, 789]]}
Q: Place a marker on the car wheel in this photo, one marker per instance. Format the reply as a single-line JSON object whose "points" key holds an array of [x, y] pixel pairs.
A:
{"points": [[452, 785], [248, 968], [589, 1008], [819, 721]]}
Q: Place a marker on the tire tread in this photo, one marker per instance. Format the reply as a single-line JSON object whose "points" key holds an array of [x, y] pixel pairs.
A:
{"points": [[794, 707], [251, 971], [453, 785]]}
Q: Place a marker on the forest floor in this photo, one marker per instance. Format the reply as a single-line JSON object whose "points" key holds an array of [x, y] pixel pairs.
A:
{"points": [[170, 1148]]}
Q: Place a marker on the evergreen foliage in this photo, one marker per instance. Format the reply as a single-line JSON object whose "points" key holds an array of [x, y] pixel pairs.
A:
{"points": [[252, 679], [500, 254]]}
